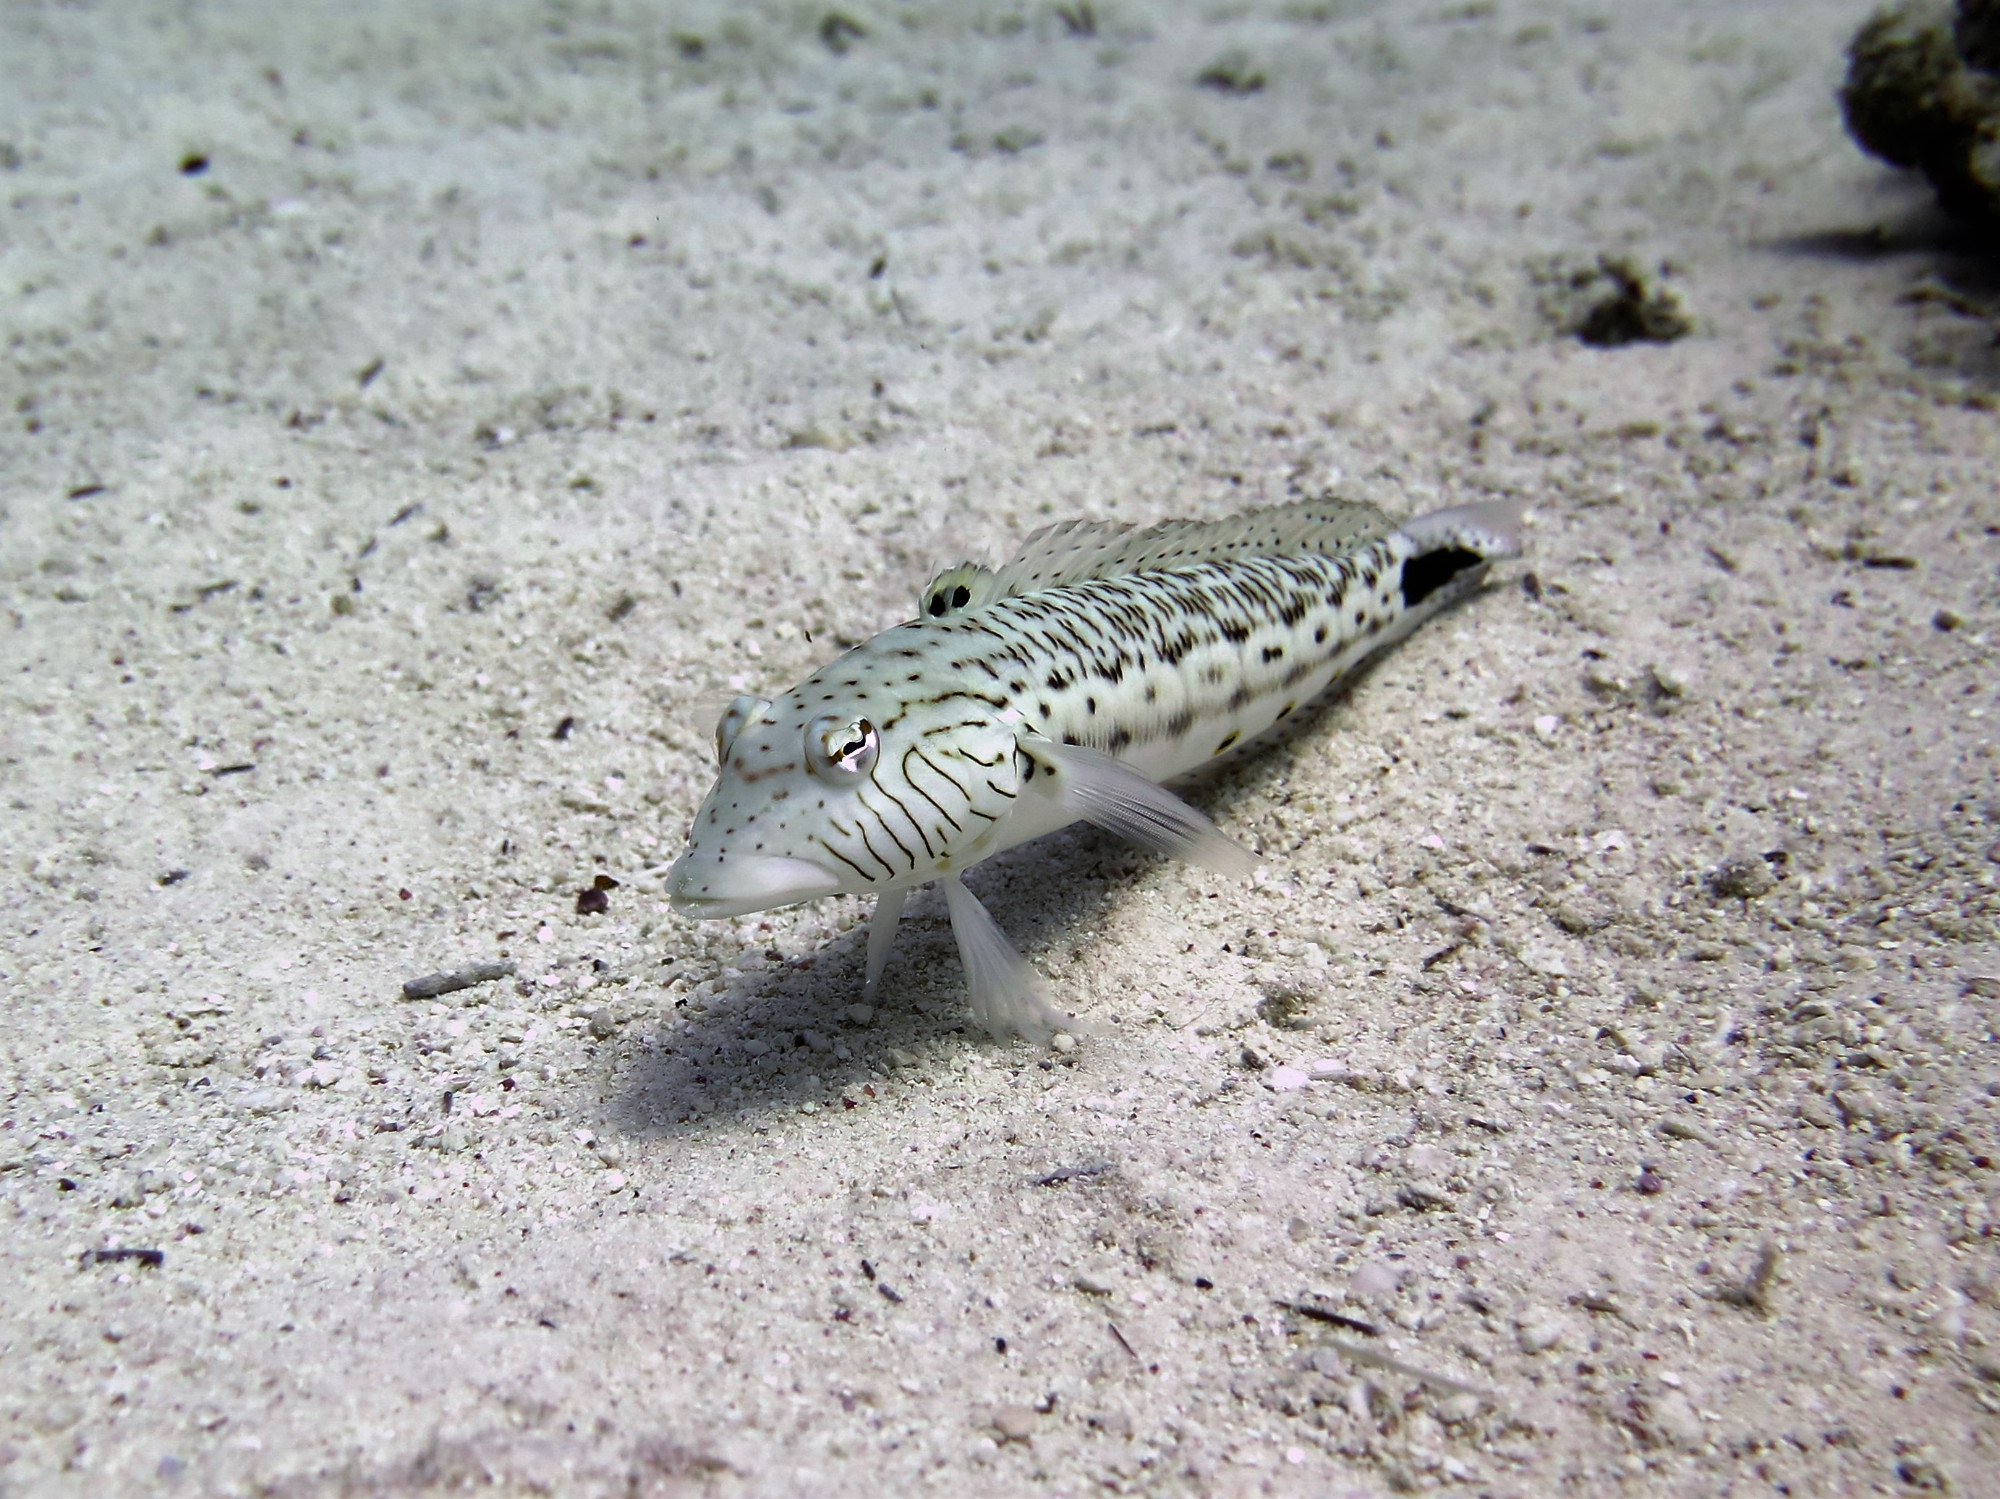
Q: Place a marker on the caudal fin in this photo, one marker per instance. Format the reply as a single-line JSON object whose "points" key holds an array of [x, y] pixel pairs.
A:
{"points": [[1453, 548], [1490, 530]]}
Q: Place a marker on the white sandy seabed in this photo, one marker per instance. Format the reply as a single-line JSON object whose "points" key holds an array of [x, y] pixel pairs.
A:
{"points": [[411, 411]]}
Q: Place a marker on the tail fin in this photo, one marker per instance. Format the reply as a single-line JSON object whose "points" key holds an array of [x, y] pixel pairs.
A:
{"points": [[1491, 530], [1453, 548]]}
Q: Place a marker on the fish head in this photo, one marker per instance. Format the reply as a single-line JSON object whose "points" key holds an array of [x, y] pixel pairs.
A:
{"points": [[844, 785]]}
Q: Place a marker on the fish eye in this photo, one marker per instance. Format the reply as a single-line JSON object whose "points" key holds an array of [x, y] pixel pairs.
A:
{"points": [[840, 749], [739, 715]]}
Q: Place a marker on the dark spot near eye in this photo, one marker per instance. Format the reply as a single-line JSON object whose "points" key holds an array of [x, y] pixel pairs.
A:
{"points": [[1319, 636], [1151, 693], [1090, 705], [1274, 652], [1118, 740]]}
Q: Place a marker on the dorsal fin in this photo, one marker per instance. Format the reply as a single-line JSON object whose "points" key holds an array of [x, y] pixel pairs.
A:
{"points": [[1075, 551]]}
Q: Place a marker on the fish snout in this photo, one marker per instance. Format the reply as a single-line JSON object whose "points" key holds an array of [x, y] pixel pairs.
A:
{"points": [[711, 885]]}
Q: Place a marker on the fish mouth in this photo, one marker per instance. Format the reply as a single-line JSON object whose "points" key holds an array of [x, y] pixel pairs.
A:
{"points": [[711, 888]]}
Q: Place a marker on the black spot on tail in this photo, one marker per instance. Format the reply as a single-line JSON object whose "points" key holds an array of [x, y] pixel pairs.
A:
{"points": [[1425, 575]]}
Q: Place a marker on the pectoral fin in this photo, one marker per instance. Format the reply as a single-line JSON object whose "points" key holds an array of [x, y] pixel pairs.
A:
{"points": [[1007, 995], [882, 937], [1111, 795]]}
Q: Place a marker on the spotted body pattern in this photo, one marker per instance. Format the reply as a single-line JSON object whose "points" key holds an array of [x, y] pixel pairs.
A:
{"points": [[1068, 684]]}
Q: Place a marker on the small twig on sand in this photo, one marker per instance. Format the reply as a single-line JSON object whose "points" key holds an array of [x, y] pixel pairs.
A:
{"points": [[431, 985]]}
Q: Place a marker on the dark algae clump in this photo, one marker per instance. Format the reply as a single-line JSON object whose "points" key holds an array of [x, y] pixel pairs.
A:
{"points": [[1923, 91]]}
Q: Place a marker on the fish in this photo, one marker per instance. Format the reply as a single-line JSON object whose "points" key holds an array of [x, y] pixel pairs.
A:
{"points": [[1072, 683]]}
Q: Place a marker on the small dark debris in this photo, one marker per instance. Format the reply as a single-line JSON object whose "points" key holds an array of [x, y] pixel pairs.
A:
{"points": [[1121, 1340], [564, 726], [888, 1294], [65, 1184], [448, 1095], [1541, 850], [840, 31], [193, 164], [877, 266], [1203, 1283], [234, 770], [432, 985], [365, 377], [1440, 955], [1744, 876], [1067, 1173], [1000, 1345], [1889, 562], [603, 882], [151, 1259], [1650, 1182], [1079, 17], [1329, 1316], [867, 1269], [1254, 1060], [480, 592], [1754, 1291], [174, 876], [415, 507], [1632, 312], [204, 593], [592, 902], [622, 606], [1603, 1305], [85, 491], [1232, 73]]}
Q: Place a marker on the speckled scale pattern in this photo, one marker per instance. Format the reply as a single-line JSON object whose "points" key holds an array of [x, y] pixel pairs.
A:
{"points": [[1076, 551], [1166, 668], [1070, 682], [1172, 667]]}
